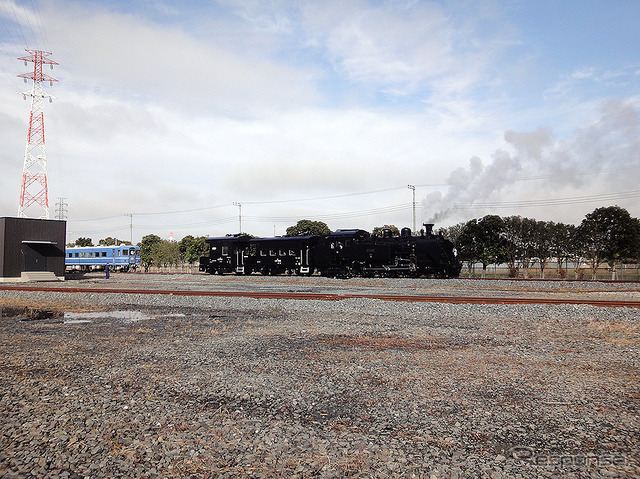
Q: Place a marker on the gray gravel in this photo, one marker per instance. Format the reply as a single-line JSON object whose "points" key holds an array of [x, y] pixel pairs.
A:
{"points": [[170, 386]]}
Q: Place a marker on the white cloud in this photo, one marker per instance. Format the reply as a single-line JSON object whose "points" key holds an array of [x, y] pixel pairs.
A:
{"points": [[130, 57]]}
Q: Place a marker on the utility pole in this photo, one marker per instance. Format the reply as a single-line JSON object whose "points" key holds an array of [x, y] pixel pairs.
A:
{"points": [[130, 215], [33, 190], [61, 211], [413, 188], [239, 205]]}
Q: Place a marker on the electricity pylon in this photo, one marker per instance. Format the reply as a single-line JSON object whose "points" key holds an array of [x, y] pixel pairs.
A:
{"points": [[33, 192]]}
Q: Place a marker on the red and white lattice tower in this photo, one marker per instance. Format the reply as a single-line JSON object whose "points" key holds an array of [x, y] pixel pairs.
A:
{"points": [[34, 196]]}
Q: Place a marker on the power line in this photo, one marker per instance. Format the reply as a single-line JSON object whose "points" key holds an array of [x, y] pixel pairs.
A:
{"points": [[15, 15], [35, 41], [317, 198], [38, 15], [206, 208], [545, 202]]}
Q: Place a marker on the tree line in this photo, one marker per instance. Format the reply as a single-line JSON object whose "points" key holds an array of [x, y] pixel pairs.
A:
{"points": [[608, 235]]}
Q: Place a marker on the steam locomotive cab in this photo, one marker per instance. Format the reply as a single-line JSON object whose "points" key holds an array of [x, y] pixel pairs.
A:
{"points": [[344, 253], [391, 256], [436, 256]]}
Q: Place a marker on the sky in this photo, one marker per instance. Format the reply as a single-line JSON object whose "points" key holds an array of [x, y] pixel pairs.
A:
{"points": [[191, 117]]}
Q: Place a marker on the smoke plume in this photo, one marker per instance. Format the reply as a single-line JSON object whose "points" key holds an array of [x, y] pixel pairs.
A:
{"points": [[607, 150]]}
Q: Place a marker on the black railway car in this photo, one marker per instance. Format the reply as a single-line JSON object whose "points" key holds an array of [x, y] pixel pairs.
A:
{"points": [[286, 254], [242, 254], [344, 253], [226, 255]]}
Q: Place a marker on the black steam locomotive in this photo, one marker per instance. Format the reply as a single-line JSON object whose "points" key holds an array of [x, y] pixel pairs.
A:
{"points": [[342, 254]]}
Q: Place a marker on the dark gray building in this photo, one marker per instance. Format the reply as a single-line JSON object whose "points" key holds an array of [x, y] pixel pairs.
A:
{"points": [[31, 245]]}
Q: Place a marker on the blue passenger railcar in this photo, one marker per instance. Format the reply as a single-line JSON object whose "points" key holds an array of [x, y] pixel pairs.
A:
{"points": [[90, 258]]}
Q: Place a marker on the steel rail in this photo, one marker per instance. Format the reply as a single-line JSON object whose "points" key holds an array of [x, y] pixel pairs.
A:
{"points": [[336, 297]]}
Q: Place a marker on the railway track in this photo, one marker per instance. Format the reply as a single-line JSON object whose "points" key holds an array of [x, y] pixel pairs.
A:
{"points": [[336, 297]]}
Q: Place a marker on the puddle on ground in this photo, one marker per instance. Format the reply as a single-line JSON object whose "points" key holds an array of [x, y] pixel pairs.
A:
{"points": [[129, 316]]}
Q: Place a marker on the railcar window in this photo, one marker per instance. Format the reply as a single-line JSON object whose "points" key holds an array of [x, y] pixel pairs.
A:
{"points": [[292, 252], [76, 254], [83, 255], [272, 252], [263, 252], [282, 252], [104, 254], [69, 255]]}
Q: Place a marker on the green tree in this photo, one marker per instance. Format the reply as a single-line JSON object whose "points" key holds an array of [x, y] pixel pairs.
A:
{"points": [[84, 242], [165, 253], [192, 248], [109, 241], [481, 241], [467, 245], [146, 250], [308, 228], [377, 231], [542, 243], [562, 245], [452, 233], [513, 243], [528, 240], [490, 228], [634, 253], [608, 234]]}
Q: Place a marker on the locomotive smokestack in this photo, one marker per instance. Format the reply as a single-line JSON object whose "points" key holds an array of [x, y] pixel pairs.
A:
{"points": [[428, 228]]}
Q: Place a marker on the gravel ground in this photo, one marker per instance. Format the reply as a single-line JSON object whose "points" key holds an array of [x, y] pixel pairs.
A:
{"points": [[168, 386]]}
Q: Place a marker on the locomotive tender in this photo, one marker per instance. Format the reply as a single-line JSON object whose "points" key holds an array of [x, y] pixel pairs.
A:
{"points": [[344, 253]]}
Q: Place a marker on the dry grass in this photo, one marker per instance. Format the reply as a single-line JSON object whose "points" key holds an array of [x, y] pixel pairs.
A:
{"points": [[51, 305], [617, 332]]}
